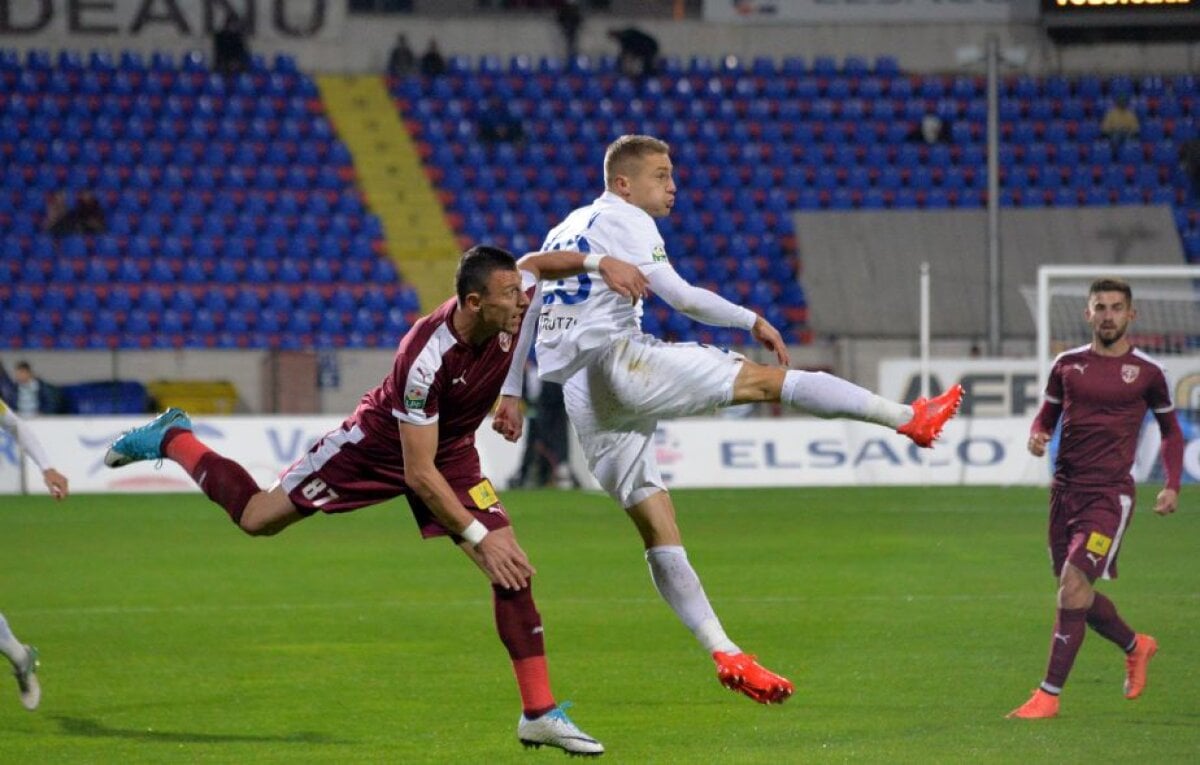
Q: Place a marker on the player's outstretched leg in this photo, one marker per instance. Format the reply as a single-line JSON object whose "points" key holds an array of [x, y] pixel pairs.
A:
{"points": [[930, 415], [556, 729], [1040, 706], [27, 682], [145, 442], [1136, 663], [740, 672]]}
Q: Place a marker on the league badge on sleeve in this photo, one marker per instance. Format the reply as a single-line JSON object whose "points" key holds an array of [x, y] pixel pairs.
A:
{"points": [[659, 254], [414, 398]]}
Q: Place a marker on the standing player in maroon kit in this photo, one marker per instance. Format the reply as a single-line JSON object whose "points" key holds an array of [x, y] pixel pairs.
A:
{"points": [[414, 436], [1102, 392]]}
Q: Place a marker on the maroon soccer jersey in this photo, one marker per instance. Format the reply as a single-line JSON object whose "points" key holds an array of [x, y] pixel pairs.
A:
{"points": [[1104, 400], [438, 377]]}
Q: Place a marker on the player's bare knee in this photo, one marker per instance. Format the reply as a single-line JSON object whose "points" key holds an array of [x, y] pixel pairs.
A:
{"points": [[757, 383]]}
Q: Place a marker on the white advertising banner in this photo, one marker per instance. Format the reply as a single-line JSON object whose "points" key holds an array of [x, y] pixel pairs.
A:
{"points": [[1010, 387], [192, 20], [868, 11], [263, 445], [805, 452], [694, 453]]}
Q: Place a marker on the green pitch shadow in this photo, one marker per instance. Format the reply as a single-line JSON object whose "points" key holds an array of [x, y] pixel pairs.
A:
{"points": [[79, 726]]}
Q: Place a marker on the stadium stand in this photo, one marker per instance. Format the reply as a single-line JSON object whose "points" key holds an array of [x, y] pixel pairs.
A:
{"points": [[755, 140], [233, 218]]}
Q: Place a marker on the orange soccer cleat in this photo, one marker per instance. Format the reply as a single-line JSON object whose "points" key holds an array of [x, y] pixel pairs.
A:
{"points": [[1040, 706], [740, 672], [1136, 663], [930, 414]]}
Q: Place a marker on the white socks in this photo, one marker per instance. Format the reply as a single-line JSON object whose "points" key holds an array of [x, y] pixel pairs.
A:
{"points": [[678, 584], [827, 396], [9, 645]]}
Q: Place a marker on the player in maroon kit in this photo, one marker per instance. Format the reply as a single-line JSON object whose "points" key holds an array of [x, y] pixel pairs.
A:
{"points": [[1102, 392], [414, 436]]}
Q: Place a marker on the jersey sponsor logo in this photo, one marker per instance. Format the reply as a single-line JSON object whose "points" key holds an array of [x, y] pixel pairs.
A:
{"points": [[1062, 637], [414, 397], [505, 341], [1098, 543], [1129, 372], [423, 374], [1094, 559], [483, 494], [659, 254], [460, 379], [1080, 368]]}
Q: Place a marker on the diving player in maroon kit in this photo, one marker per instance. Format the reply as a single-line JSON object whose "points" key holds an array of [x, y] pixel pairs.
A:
{"points": [[414, 436], [1102, 392]]}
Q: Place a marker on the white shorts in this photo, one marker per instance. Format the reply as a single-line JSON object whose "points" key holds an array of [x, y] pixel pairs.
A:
{"points": [[616, 401]]}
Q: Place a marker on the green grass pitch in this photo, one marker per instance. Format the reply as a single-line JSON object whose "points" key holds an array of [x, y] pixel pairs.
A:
{"points": [[911, 621]]}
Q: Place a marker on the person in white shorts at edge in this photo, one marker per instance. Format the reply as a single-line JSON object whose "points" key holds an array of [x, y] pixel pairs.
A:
{"points": [[619, 382], [24, 658]]}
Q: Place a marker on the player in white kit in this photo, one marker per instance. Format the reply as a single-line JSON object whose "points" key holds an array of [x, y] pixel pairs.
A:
{"points": [[618, 382], [24, 658]]}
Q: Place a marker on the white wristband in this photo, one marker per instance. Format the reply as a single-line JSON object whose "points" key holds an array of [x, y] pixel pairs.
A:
{"points": [[592, 262], [474, 532]]}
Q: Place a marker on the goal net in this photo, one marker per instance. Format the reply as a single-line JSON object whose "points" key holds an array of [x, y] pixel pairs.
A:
{"points": [[1167, 299]]}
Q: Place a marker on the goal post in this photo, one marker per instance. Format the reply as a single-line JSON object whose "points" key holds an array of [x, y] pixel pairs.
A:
{"points": [[1167, 299]]}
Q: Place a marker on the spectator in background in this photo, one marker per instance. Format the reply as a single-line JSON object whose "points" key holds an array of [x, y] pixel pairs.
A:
{"points": [[1189, 161], [498, 124], [401, 61], [1119, 122], [432, 61], [569, 18], [34, 395], [58, 214], [8, 388], [546, 460], [87, 216], [638, 54], [230, 53], [932, 130]]}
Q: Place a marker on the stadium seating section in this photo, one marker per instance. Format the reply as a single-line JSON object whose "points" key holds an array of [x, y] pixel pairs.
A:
{"points": [[754, 140], [234, 218]]}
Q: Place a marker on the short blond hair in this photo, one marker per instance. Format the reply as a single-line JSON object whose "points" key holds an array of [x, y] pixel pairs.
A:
{"points": [[622, 152]]}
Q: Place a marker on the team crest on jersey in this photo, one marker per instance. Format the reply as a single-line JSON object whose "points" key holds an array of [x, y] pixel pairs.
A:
{"points": [[414, 397], [659, 254], [1129, 372], [505, 341]]}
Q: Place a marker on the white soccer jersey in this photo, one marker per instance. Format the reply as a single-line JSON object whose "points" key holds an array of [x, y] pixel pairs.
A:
{"points": [[580, 315]]}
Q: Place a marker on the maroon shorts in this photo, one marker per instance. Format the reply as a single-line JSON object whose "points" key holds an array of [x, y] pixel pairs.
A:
{"points": [[349, 468], [1086, 529]]}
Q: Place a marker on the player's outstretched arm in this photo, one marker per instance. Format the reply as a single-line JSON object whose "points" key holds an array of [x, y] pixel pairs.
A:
{"points": [[1172, 461], [499, 555], [56, 482], [621, 277], [508, 420], [770, 339], [1166, 502]]}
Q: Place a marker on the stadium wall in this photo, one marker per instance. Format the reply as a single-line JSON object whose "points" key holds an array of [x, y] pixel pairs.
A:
{"points": [[334, 42]]}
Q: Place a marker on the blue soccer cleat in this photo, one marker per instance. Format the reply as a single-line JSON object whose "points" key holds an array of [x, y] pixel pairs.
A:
{"points": [[145, 442], [556, 729]]}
